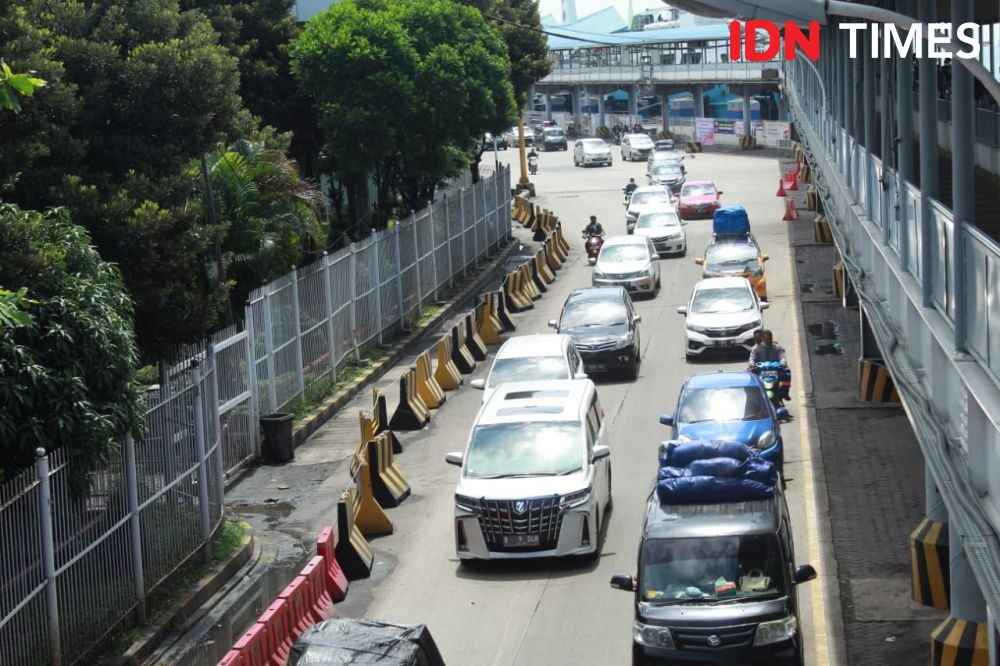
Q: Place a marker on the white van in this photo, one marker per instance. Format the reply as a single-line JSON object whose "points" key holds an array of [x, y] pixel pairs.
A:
{"points": [[536, 475]]}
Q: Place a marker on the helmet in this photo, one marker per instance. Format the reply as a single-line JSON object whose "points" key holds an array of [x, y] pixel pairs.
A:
{"points": [[593, 218], [631, 180]]}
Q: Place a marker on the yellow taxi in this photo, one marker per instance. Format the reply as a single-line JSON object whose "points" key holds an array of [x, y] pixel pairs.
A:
{"points": [[736, 257]]}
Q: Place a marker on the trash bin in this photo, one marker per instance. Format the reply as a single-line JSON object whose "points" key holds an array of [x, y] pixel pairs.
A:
{"points": [[278, 446]]}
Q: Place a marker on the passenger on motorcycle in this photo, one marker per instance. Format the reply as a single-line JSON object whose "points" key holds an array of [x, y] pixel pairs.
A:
{"points": [[594, 228], [767, 351], [631, 187]]}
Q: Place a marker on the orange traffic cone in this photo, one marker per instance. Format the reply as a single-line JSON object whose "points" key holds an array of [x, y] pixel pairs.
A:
{"points": [[781, 187], [792, 185], [790, 212]]}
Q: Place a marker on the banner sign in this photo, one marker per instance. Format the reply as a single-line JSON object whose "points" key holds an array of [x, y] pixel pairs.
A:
{"points": [[725, 127], [705, 131], [775, 130]]}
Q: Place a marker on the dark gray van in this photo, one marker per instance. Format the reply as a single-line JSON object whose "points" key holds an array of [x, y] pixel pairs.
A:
{"points": [[716, 583]]}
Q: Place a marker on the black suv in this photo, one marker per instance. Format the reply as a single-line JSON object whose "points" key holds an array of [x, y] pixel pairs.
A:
{"points": [[605, 328], [717, 583]]}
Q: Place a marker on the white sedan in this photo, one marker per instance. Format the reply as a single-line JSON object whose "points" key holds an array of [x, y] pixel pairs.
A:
{"points": [[630, 262], [664, 227], [527, 358], [723, 312], [591, 151]]}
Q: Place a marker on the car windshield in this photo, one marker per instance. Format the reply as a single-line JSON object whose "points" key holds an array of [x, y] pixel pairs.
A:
{"points": [[664, 219], [698, 190], [641, 141], [528, 368], [722, 300], [711, 569], [554, 134], [596, 144], [731, 259], [643, 198], [668, 170], [737, 403], [584, 314], [630, 252], [541, 448], [667, 156]]}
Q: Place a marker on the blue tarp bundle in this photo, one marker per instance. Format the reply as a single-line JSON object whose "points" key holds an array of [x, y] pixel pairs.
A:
{"points": [[731, 220], [717, 471]]}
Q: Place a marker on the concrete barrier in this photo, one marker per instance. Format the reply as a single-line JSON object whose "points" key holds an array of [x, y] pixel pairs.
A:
{"points": [[428, 390], [542, 270], [336, 581], [459, 354], [929, 558], [526, 284], [388, 483], [411, 413], [821, 230], [875, 383], [380, 416], [552, 260], [446, 373], [500, 303], [513, 300], [475, 344], [487, 326], [561, 243]]}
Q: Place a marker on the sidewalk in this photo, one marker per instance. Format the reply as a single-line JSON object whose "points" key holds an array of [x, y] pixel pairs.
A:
{"points": [[874, 473]]}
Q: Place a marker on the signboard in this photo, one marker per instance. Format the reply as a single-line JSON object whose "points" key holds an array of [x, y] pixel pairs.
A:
{"points": [[775, 130], [705, 131], [725, 127]]}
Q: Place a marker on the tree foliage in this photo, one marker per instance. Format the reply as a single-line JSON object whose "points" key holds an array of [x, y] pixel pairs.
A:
{"points": [[14, 85], [405, 90], [67, 346]]}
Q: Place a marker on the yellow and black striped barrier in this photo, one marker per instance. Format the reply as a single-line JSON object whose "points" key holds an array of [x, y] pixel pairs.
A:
{"points": [[929, 561], [821, 231], [811, 199], [806, 175], [389, 486], [960, 643], [875, 383], [353, 553], [838, 277]]}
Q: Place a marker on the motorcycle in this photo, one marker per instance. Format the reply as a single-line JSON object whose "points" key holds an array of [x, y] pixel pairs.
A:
{"points": [[533, 165], [628, 196], [777, 381], [593, 245]]}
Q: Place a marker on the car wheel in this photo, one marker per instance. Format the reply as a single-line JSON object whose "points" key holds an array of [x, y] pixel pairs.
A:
{"points": [[611, 502], [683, 253], [633, 372]]}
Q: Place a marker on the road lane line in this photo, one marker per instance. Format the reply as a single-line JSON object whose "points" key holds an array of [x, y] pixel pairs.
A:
{"points": [[818, 606]]}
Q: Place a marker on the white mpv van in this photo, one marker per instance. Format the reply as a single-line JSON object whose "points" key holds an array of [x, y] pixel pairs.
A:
{"points": [[536, 476]]}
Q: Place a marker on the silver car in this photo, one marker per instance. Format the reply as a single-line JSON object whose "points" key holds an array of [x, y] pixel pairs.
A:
{"points": [[643, 198], [530, 358], [666, 174], [723, 312], [664, 227], [665, 157], [630, 262], [636, 146], [591, 151]]}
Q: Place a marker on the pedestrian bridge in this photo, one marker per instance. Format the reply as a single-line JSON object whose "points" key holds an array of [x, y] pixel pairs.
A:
{"points": [[700, 72]]}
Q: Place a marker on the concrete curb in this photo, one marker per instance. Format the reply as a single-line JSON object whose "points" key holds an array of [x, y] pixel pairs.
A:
{"points": [[310, 424], [186, 607]]}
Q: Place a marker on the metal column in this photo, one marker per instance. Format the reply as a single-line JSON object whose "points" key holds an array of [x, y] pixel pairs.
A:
{"points": [[963, 183], [633, 104], [600, 107], [665, 110], [928, 152], [699, 100], [904, 110], [747, 110], [578, 108], [967, 601], [548, 105], [868, 99]]}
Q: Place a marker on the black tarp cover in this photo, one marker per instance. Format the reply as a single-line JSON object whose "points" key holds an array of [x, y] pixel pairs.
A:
{"points": [[352, 641]]}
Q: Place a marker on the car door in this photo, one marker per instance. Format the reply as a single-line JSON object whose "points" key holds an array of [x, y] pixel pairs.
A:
{"points": [[574, 360], [595, 434]]}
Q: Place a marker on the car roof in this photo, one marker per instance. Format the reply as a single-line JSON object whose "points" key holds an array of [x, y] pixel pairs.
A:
{"points": [[548, 400], [661, 209], [542, 344], [597, 294], [722, 283], [593, 140], [650, 188], [700, 182], [721, 379], [707, 520], [625, 240], [632, 135]]}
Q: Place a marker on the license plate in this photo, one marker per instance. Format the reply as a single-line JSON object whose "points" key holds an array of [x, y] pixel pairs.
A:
{"points": [[515, 540], [598, 367]]}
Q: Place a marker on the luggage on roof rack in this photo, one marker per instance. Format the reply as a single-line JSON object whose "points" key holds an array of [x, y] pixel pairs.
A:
{"points": [[709, 472], [731, 221]]}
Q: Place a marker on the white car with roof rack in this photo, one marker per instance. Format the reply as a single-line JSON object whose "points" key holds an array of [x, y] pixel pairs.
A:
{"points": [[536, 476]]}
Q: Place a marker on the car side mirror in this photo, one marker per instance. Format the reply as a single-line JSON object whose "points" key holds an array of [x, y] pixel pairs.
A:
{"points": [[666, 419], [581, 375], [720, 193], [638, 319], [454, 458], [599, 453], [699, 261], [803, 573], [682, 310], [765, 305], [764, 257], [553, 323], [623, 582], [478, 384], [781, 413]]}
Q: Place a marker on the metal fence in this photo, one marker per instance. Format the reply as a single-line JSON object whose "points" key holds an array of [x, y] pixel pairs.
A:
{"points": [[72, 567]]}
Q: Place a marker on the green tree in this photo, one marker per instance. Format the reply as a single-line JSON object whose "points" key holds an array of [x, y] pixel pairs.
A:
{"points": [[405, 89], [68, 355], [14, 85]]}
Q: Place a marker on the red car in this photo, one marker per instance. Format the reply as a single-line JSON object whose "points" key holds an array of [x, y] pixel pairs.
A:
{"points": [[699, 198]]}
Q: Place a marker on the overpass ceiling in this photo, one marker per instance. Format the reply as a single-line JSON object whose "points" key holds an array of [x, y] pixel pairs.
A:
{"points": [[802, 11]]}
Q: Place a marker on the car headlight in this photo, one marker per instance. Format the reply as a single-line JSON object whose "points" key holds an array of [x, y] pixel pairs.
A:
{"points": [[463, 503], [776, 631], [624, 340], [766, 440], [573, 500], [749, 327], [599, 275], [698, 329], [659, 637], [647, 271]]}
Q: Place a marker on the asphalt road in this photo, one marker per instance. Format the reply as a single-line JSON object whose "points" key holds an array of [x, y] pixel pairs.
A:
{"points": [[564, 612]]}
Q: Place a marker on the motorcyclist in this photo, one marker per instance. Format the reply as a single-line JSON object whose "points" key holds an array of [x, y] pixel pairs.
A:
{"points": [[594, 228], [767, 351], [533, 160], [631, 187]]}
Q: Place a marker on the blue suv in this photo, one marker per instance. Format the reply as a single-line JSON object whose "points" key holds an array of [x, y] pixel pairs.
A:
{"points": [[729, 405]]}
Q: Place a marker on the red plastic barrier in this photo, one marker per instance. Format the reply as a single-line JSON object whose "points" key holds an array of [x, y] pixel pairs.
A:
{"points": [[253, 646], [280, 631], [300, 610], [320, 601], [232, 658], [336, 581]]}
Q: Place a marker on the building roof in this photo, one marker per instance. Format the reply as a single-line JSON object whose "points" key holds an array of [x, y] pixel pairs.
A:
{"points": [[595, 33]]}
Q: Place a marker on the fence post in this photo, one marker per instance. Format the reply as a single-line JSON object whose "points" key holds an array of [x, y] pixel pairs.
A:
{"points": [[250, 349], [272, 381], [131, 478], [328, 297], [447, 233], [434, 266], [416, 264], [48, 554], [353, 266], [399, 274], [199, 444], [378, 290], [461, 217], [213, 371], [486, 221], [299, 369]]}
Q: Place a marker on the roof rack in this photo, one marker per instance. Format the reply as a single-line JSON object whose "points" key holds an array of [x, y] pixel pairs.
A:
{"points": [[712, 472]]}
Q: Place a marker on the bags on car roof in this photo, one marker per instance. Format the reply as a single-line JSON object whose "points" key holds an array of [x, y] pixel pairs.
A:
{"points": [[708, 472], [731, 221]]}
